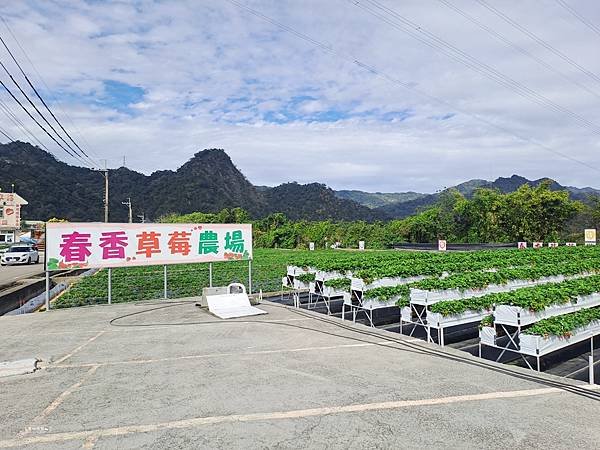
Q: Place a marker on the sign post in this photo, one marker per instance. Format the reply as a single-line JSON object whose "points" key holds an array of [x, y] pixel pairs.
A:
{"points": [[442, 245], [165, 281], [361, 245], [47, 291], [522, 245], [109, 285]]}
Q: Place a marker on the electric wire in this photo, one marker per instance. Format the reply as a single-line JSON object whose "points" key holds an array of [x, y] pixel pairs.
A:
{"points": [[36, 121], [537, 39], [49, 91], [82, 153], [431, 40], [592, 26], [66, 191], [407, 346], [409, 86], [73, 152], [517, 47], [3, 132], [19, 124]]}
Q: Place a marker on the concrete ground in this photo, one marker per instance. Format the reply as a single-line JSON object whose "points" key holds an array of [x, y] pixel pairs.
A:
{"points": [[281, 380], [12, 273]]}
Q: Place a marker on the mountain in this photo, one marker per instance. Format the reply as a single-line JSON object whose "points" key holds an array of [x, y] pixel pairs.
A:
{"points": [[316, 202], [377, 199], [208, 182], [504, 185]]}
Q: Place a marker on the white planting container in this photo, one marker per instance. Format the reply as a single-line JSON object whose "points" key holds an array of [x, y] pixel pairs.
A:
{"points": [[487, 335], [300, 284], [406, 313], [294, 271], [327, 291], [517, 316], [423, 297], [359, 285], [437, 320], [535, 345], [321, 275]]}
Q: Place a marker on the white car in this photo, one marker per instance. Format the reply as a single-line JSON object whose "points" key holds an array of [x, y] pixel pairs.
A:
{"points": [[20, 254]]}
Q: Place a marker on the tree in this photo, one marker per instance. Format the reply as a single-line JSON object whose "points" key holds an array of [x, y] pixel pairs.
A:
{"points": [[537, 214]]}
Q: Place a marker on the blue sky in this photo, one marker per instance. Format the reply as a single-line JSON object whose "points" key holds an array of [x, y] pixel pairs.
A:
{"points": [[158, 81], [119, 96]]}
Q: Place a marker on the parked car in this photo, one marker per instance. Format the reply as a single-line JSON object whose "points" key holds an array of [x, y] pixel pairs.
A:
{"points": [[20, 254]]}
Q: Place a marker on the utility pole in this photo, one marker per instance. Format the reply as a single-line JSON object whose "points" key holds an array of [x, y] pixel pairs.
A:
{"points": [[128, 204], [105, 172], [142, 217]]}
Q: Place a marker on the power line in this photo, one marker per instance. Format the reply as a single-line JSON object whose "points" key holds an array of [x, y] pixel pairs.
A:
{"points": [[539, 40], [583, 20], [40, 98], [520, 49], [19, 124], [35, 120], [409, 86], [453, 52], [6, 135], [49, 91], [74, 154]]}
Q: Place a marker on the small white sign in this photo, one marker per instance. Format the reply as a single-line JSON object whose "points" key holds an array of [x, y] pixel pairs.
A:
{"points": [[552, 244], [538, 244], [522, 245], [571, 244], [442, 245], [590, 236], [361, 245], [311, 246]]}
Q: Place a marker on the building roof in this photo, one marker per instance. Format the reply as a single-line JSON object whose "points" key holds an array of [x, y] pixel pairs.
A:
{"points": [[12, 198]]}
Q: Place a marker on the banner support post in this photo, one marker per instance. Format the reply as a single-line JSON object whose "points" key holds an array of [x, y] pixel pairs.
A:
{"points": [[249, 276], [210, 274], [47, 290], [109, 285], [165, 275]]}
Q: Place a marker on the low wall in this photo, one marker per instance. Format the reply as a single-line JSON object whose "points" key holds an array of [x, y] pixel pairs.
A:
{"points": [[15, 296]]}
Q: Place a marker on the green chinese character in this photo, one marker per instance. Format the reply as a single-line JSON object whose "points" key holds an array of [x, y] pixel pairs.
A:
{"points": [[234, 241], [209, 243]]}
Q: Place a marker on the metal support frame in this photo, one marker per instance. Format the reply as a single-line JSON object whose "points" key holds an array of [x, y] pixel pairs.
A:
{"points": [[591, 362], [47, 290], [421, 322], [515, 349], [320, 296], [109, 285], [355, 309], [210, 275], [249, 276], [165, 296]]}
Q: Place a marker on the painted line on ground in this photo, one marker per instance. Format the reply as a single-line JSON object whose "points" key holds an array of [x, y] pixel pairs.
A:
{"points": [[271, 416], [76, 350], [57, 402], [209, 355]]}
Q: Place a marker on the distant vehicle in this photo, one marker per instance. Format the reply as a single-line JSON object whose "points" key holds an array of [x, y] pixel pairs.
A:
{"points": [[20, 254]]}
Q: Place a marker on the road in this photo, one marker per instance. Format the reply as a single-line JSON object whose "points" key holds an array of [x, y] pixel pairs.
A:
{"points": [[9, 274]]}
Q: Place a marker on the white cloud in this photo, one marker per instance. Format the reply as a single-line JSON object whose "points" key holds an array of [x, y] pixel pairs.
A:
{"points": [[215, 76]]}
